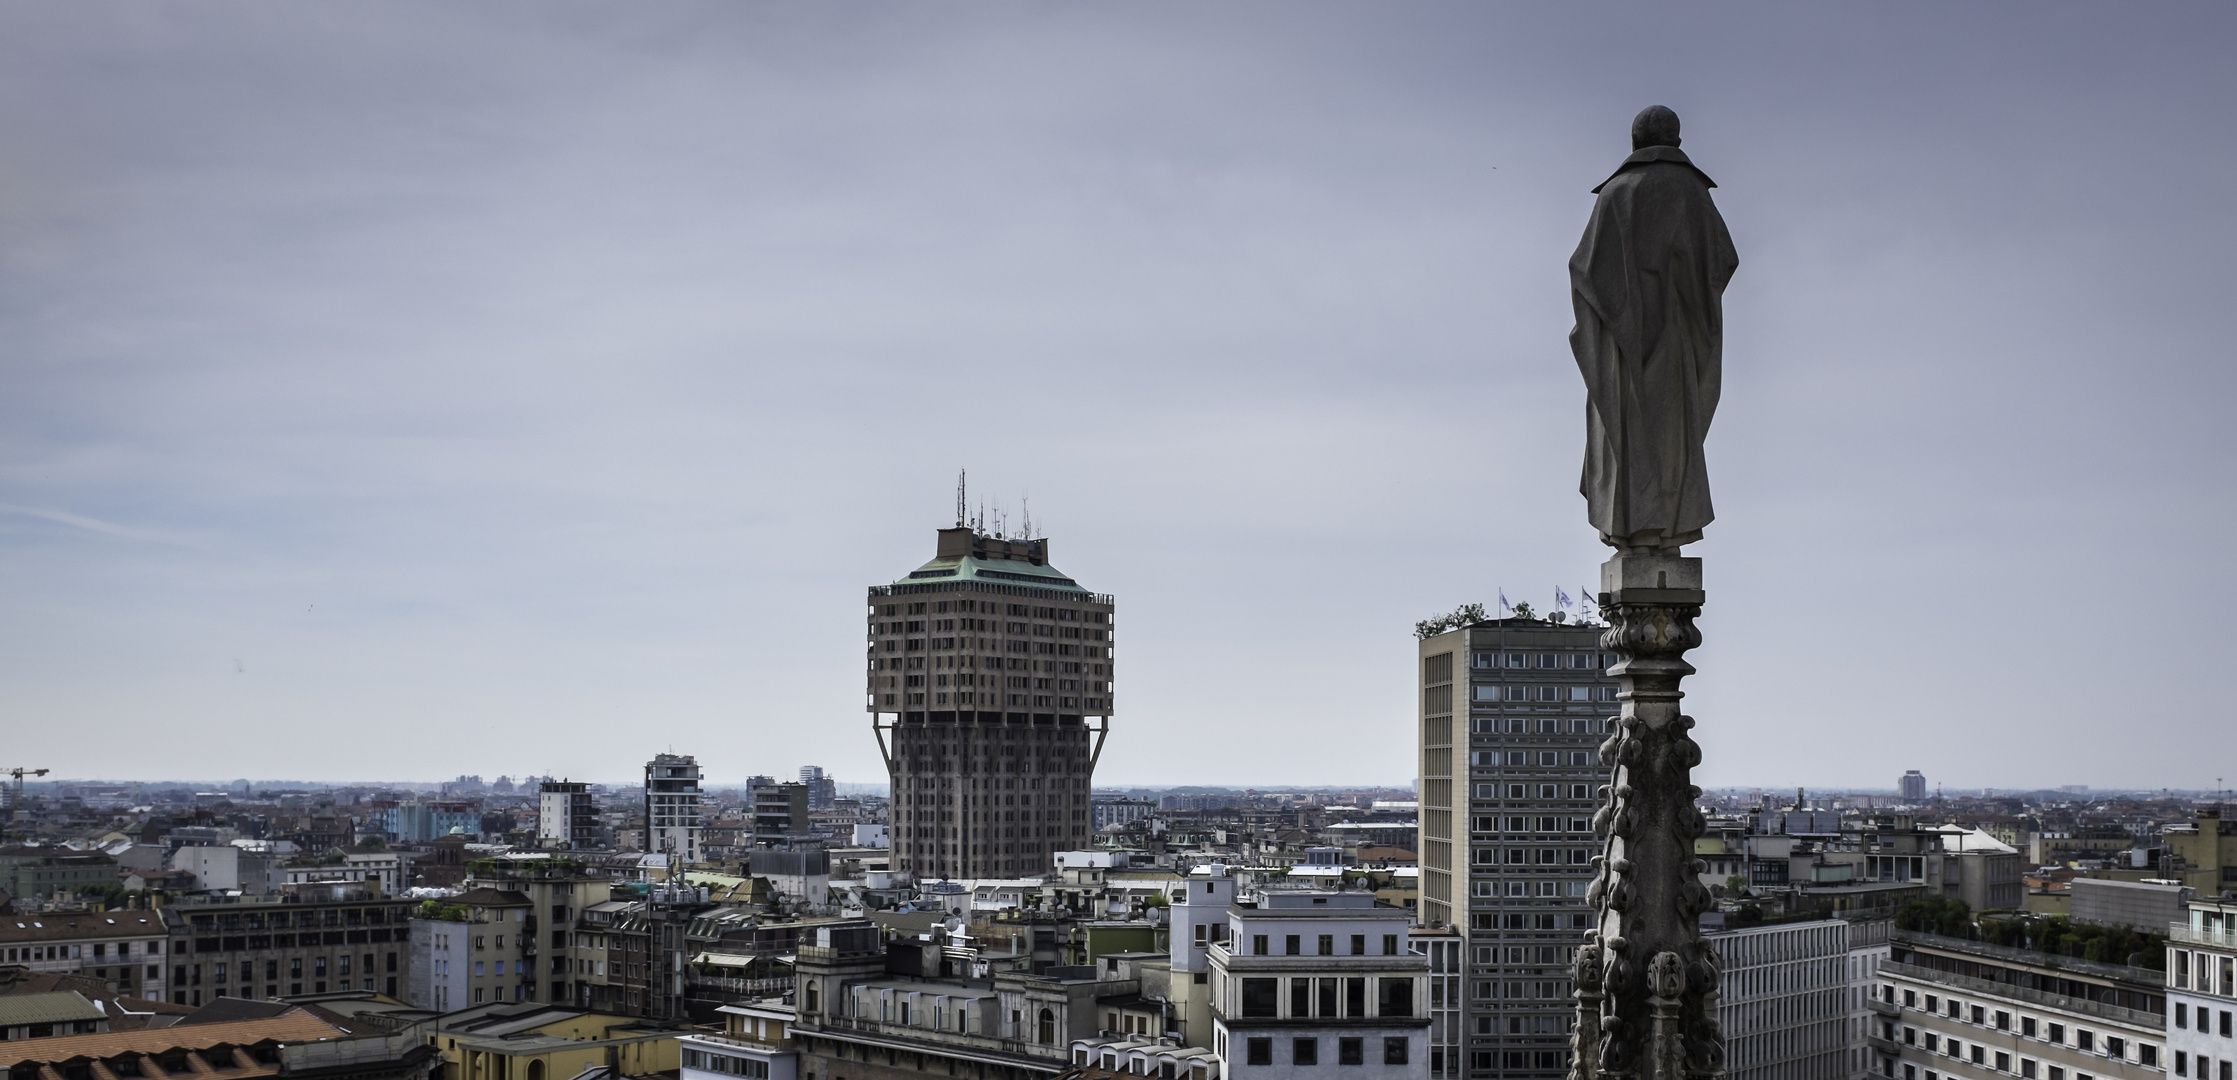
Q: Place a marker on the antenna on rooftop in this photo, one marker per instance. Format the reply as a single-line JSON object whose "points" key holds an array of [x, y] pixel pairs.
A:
{"points": [[1028, 519], [960, 506]]}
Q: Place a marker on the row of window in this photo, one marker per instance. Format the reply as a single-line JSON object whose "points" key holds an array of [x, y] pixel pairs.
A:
{"points": [[1493, 759], [990, 607], [1569, 661], [1540, 725], [1533, 856], [2056, 1033], [1534, 824], [1514, 692], [751, 1068], [1324, 945], [1324, 998], [2205, 1019], [2213, 973], [1538, 791], [1305, 1050]]}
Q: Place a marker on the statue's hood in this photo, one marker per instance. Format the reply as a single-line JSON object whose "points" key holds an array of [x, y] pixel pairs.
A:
{"points": [[1653, 154]]}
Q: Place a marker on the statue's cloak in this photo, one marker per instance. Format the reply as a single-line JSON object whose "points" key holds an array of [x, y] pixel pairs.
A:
{"points": [[1648, 283]]}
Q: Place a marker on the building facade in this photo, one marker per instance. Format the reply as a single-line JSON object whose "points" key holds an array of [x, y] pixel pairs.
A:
{"points": [[2202, 991], [1317, 984], [311, 940], [1512, 713], [1952, 1009], [125, 949], [823, 791], [1912, 787], [1783, 1000], [672, 814], [2202, 853], [990, 688], [566, 816]]}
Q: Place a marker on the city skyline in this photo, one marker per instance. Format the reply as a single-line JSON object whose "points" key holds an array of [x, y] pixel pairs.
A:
{"points": [[413, 371]]}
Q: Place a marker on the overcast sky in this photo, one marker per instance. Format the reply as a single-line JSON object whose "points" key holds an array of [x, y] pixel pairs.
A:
{"points": [[400, 391]]}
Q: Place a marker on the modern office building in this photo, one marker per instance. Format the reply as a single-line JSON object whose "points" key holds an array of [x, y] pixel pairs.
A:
{"points": [[822, 790], [1953, 1009], [565, 816], [1782, 1000], [1912, 787], [1512, 715], [2202, 990], [672, 820], [990, 689]]}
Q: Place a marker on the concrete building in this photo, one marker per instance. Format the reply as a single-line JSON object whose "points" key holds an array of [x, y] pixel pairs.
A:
{"points": [[1912, 787], [310, 939], [672, 813], [990, 689], [2202, 853], [473, 950], [127, 950], [1512, 713], [1783, 1000], [755, 1043], [1119, 811], [230, 868], [1315, 984], [563, 966], [1958, 1010], [1198, 914], [2150, 906], [2202, 990], [823, 792], [1869, 949], [566, 816], [38, 873], [867, 1012], [780, 815]]}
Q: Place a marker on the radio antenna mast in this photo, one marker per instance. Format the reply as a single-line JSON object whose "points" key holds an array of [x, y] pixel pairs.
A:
{"points": [[1028, 503], [959, 503]]}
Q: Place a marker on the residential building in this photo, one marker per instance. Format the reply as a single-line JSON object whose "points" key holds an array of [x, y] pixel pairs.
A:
{"points": [[2150, 906], [990, 689], [2202, 853], [2202, 990], [413, 823], [307, 940], [295, 1043], [672, 816], [566, 817], [1198, 914], [1448, 998], [229, 868], [823, 792], [1869, 950], [565, 963], [472, 949], [125, 949], [755, 1043], [38, 873], [41, 1016], [1783, 1000], [1912, 787], [780, 815], [528, 1041], [870, 1012], [1512, 714], [1955, 1009], [1119, 811], [1319, 984]]}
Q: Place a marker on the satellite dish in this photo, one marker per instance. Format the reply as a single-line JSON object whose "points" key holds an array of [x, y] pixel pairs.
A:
{"points": [[955, 924]]}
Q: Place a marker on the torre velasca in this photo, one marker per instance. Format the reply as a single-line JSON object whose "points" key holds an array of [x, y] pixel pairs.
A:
{"points": [[990, 690]]}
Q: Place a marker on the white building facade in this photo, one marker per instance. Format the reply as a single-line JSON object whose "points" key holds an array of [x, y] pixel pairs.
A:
{"points": [[1313, 985], [1783, 1000], [2202, 992]]}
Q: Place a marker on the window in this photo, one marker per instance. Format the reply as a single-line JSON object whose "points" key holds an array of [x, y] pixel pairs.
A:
{"points": [[1397, 997], [2116, 1047], [1390, 944], [1304, 1052], [1260, 997], [1259, 1050], [1359, 942], [1350, 1050], [1394, 1051], [2058, 1033], [1327, 944], [2027, 1027], [1293, 945], [2085, 1040], [1258, 944]]}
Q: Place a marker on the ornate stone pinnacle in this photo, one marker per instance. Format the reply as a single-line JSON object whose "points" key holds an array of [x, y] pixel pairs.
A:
{"points": [[1646, 983]]}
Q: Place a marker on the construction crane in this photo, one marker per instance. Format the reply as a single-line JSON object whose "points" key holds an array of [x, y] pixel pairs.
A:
{"points": [[15, 795]]}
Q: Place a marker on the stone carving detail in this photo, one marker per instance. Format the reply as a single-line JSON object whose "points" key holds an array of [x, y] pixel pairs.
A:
{"points": [[1649, 1011]]}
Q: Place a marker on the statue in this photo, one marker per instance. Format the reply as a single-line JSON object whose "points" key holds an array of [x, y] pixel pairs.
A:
{"points": [[1647, 283]]}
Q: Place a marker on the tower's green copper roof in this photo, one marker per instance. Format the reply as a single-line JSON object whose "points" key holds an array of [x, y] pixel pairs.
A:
{"points": [[1005, 571]]}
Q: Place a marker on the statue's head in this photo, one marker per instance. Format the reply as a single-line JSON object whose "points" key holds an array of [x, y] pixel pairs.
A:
{"points": [[1654, 126]]}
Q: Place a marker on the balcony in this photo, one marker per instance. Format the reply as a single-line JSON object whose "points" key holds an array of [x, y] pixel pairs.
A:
{"points": [[1884, 1008], [1884, 1045], [2221, 939], [907, 1034]]}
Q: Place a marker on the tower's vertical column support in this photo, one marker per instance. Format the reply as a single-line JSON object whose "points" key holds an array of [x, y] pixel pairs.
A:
{"points": [[1646, 982]]}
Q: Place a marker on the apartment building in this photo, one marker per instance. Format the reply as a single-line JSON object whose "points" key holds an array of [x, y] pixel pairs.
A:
{"points": [[2202, 991], [1783, 1000], [870, 1012], [1512, 713], [1952, 1009], [672, 811], [470, 950], [990, 687], [2202, 853], [124, 949], [561, 961], [566, 816], [1319, 984], [755, 1043], [310, 939]]}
